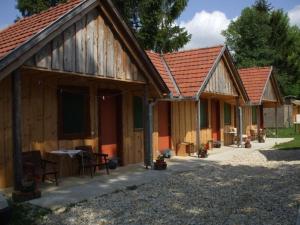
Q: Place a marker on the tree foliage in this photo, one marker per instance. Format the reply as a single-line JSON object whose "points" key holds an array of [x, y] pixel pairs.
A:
{"points": [[153, 21], [30, 7], [262, 36]]}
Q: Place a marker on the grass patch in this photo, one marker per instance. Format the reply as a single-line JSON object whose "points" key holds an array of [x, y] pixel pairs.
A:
{"points": [[286, 133], [27, 214]]}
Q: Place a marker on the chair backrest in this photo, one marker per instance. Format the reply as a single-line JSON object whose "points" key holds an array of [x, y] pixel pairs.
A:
{"points": [[88, 152], [33, 157]]}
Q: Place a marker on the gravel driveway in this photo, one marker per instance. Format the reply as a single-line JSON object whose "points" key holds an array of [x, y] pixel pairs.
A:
{"points": [[262, 187]]}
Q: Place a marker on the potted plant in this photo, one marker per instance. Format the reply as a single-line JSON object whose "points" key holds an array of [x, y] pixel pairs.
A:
{"points": [[202, 153], [160, 163], [248, 143], [262, 136]]}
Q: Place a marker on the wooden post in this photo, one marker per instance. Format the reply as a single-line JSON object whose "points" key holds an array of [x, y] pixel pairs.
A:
{"points": [[198, 124], [276, 121], [17, 129], [237, 112], [257, 108], [147, 127], [240, 126]]}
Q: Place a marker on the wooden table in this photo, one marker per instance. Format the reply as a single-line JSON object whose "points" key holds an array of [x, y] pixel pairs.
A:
{"points": [[67, 163]]}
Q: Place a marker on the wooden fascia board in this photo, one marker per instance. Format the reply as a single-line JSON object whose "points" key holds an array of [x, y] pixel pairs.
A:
{"points": [[135, 50], [21, 54], [210, 73], [275, 87]]}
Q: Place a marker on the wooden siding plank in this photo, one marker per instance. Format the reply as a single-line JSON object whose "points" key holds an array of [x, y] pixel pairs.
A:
{"points": [[58, 53], [92, 35], [43, 57], [101, 47], [69, 49], [80, 59]]}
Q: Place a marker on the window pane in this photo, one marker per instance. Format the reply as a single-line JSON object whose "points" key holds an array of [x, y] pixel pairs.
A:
{"points": [[227, 114], [203, 114], [138, 112], [73, 113]]}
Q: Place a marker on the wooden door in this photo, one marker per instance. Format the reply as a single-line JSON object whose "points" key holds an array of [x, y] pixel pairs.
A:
{"points": [[110, 115], [164, 126], [261, 114], [215, 120]]}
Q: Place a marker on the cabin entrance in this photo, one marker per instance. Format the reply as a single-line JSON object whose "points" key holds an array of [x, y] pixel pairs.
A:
{"points": [[215, 120], [110, 124], [164, 126]]}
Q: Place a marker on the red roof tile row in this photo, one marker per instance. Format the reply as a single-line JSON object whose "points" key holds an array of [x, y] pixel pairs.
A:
{"points": [[21, 31], [255, 80], [189, 68]]}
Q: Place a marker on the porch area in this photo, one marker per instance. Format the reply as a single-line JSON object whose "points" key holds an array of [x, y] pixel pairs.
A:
{"points": [[77, 189]]}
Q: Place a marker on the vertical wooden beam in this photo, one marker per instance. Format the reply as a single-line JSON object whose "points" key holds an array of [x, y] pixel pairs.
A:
{"points": [[198, 124], [276, 120], [147, 134], [257, 108], [238, 123], [16, 131]]}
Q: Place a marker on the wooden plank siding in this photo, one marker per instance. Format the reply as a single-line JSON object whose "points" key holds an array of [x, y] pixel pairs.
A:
{"points": [[221, 82], [247, 120], [5, 133], [183, 124], [40, 119], [269, 94], [88, 47]]}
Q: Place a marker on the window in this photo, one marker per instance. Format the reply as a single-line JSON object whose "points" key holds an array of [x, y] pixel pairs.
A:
{"points": [[227, 114], [254, 115], [138, 112], [73, 113], [203, 114]]}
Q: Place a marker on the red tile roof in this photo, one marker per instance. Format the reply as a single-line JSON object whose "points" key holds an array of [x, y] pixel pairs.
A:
{"points": [[21, 31], [255, 80], [157, 61], [189, 68]]}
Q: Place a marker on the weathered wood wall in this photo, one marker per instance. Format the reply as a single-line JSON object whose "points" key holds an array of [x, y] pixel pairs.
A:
{"points": [[40, 119], [183, 125], [88, 47], [269, 93], [5, 133], [247, 120], [296, 110], [221, 82], [183, 119]]}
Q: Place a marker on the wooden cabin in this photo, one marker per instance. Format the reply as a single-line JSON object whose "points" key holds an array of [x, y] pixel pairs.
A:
{"points": [[74, 75], [206, 91], [263, 91], [296, 110]]}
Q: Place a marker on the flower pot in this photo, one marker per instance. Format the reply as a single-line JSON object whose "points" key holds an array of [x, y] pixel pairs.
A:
{"points": [[160, 165]]}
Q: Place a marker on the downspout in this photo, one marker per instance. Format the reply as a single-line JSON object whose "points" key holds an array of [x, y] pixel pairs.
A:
{"points": [[198, 124]]}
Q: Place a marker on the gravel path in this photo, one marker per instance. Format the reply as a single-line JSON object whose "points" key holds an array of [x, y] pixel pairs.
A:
{"points": [[262, 187]]}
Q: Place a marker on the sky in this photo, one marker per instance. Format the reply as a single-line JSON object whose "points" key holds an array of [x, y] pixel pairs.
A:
{"points": [[204, 19]]}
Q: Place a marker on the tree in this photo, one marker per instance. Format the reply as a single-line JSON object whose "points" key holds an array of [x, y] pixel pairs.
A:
{"points": [[262, 36], [30, 7], [153, 22]]}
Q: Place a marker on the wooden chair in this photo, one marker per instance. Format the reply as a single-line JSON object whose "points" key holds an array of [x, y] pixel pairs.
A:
{"points": [[91, 160], [35, 166]]}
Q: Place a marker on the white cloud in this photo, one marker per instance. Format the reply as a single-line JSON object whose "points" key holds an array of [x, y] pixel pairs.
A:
{"points": [[206, 29], [294, 15]]}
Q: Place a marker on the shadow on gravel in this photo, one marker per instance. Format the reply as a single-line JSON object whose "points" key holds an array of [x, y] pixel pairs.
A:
{"points": [[281, 155]]}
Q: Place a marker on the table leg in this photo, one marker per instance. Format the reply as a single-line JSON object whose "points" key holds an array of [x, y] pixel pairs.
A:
{"points": [[82, 163]]}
